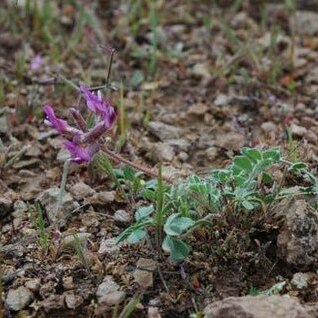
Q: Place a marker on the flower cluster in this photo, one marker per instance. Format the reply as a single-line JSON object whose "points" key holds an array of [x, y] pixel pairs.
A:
{"points": [[83, 143]]}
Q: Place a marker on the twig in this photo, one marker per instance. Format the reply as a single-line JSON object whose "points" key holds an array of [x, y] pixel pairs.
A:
{"points": [[118, 158]]}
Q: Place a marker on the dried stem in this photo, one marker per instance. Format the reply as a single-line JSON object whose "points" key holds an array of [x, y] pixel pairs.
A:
{"points": [[118, 158]]}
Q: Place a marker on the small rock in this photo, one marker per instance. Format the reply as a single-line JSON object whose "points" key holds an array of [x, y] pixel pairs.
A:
{"points": [[222, 100], [311, 137], [256, 307], [68, 283], [163, 152], [20, 206], [47, 289], [50, 198], [81, 190], [106, 196], [183, 156], [69, 241], [268, 126], [297, 241], [108, 246], [15, 250], [107, 286], [5, 205], [298, 130], [143, 274], [211, 153], [122, 216], [230, 141], [301, 280], [197, 109], [72, 301], [90, 219], [18, 298], [202, 70], [163, 131], [52, 302], [108, 293], [304, 23], [114, 298], [179, 144], [153, 312], [33, 284]]}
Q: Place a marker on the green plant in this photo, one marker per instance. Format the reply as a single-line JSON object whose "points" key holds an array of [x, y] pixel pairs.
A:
{"points": [[246, 185], [39, 223], [162, 217], [79, 249]]}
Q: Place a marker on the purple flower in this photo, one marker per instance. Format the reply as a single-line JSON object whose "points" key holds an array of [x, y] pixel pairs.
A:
{"points": [[80, 154], [36, 62], [99, 106], [82, 142], [51, 120]]}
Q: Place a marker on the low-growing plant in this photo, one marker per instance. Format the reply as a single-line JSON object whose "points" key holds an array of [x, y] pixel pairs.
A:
{"points": [[40, 226], [246, 185]]}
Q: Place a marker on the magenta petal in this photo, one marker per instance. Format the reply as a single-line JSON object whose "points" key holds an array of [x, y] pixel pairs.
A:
{"points": [[80, 154], [100, 106], [59, 124], [36, 62]]}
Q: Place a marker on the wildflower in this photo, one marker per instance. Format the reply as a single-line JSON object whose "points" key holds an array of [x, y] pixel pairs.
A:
{"points": [[82, 142], [99, 106], [36, 62], [80, 154], [60, 125]]}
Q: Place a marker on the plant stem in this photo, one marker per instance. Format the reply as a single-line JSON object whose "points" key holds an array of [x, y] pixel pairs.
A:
{"points": [[118, 158], [62, 187]]}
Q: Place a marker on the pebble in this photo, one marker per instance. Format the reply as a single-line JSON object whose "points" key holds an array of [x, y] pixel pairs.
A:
{"points": [[268, 126], [197, 109], [311, 137], [106, 196], [81, 190], [163, 131], [114, 298], [108, 246], [304, 22], [301, 280], [143, 274], [33, 284], [211, 153], [298, 130], [201, 69], [18, 298], [50, 198], [69, 241], [122, 216], [108, 292], [163, 152], [73, 301], [68, 283]]}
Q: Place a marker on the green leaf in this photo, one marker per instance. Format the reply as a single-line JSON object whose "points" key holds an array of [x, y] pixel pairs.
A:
{"points": [[298, 166], [239, 181], [178, 249], [254, 154], [148, 194], [248, 205], [129, 173], [144, 212], [272, 154], [243, 163], [136, 236], [176, 224], [267, 178]]}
